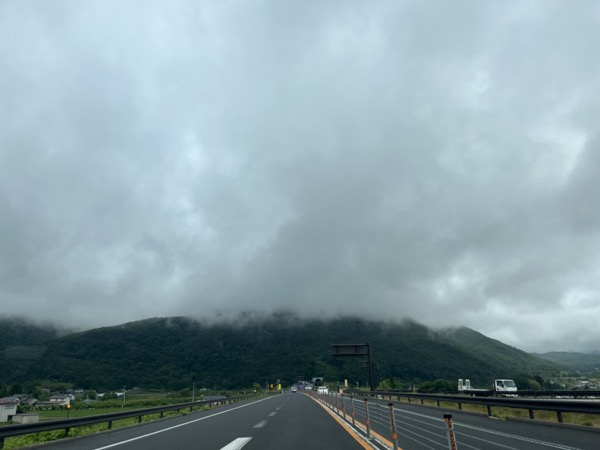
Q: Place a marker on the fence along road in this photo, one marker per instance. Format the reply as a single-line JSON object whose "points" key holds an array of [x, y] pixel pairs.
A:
{"points": [[422, 427]]}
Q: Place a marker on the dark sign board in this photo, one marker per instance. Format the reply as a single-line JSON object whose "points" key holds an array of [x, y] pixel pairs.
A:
{"points": [[349, 349]]}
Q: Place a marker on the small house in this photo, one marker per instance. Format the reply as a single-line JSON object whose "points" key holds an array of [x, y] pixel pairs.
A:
{"points": [[60, 400], [8, 409]]}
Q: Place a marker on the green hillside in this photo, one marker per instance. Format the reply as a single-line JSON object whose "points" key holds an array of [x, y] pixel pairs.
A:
{"points": [[505, 359], [583, 362], [175, 352], [15, 331], [22, 341]]}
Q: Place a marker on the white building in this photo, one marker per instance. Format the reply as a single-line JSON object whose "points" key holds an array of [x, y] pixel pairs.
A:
{"points": [[8, 409], [60, 400]]}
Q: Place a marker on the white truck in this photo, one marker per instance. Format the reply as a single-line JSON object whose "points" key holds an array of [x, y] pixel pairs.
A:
{"points": [[499, 387], [505, 387]]}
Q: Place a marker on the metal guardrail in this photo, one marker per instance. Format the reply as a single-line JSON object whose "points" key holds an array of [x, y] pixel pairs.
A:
{"points": [[529, 393], [560, 406], [381, 424], [67, 424], [385, 425], [559, 394]]}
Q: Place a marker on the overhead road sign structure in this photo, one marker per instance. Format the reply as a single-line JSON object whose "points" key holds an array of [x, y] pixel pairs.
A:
{"points": [[366, 364], [349, 349]]}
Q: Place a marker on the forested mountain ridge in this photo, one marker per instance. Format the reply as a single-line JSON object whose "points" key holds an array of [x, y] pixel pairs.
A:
{"points": [[175, 352], [23, 340], [579, 361], [18, 331]]}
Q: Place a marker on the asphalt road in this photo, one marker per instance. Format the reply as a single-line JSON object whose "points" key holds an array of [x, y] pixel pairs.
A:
{"points": [[297, 422], [287, 421]]}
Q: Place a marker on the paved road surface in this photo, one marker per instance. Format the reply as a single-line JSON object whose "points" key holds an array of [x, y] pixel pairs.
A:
{"points": [[297, 422], [288, 421]]}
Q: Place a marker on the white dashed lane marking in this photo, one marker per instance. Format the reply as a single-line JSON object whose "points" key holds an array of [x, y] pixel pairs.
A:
{"points": [[260, 424], [237, 444]]}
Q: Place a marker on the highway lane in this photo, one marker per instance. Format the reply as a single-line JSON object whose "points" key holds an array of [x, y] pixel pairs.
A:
{"points": [[287, 421], [422, 427]]}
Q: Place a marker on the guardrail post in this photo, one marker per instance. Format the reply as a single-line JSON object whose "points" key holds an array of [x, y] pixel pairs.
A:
{"points": [[110, 424], [559, 416], [352, 406], [531, 414], [1, 442], [489, 410], [451, 437], [367, 422], [343, 407], [393, 422]]}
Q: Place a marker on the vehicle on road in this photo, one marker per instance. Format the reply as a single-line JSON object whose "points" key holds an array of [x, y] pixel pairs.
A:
{"points": [[504, 387], [507, 387]]}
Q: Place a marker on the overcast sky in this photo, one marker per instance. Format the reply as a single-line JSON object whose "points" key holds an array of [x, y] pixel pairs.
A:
{"points": [[438, 160]]}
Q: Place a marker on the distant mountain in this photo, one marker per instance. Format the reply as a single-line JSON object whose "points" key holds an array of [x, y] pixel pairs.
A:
{"points": [[583, 362], [18, 331], [506, 359], [24, 340], [175, 352]]}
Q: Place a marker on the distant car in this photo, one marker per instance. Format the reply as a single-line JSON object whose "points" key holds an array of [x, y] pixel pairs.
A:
{"points": [[294, 388], [322, 390]]}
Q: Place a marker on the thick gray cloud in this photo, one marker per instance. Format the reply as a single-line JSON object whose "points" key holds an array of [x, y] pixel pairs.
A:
{"points": [[437, 160]]}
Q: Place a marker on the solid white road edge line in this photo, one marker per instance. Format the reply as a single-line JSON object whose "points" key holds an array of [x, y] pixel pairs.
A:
{"points": [[180, 425], [237, 444]]}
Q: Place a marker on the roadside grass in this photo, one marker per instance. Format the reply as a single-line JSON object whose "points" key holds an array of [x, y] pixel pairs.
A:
{"points": [[48, 436], [588, 420]]}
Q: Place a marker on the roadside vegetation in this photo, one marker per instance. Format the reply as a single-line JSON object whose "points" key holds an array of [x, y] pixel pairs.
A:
{"points": [[48, 436], [82, 406]]}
